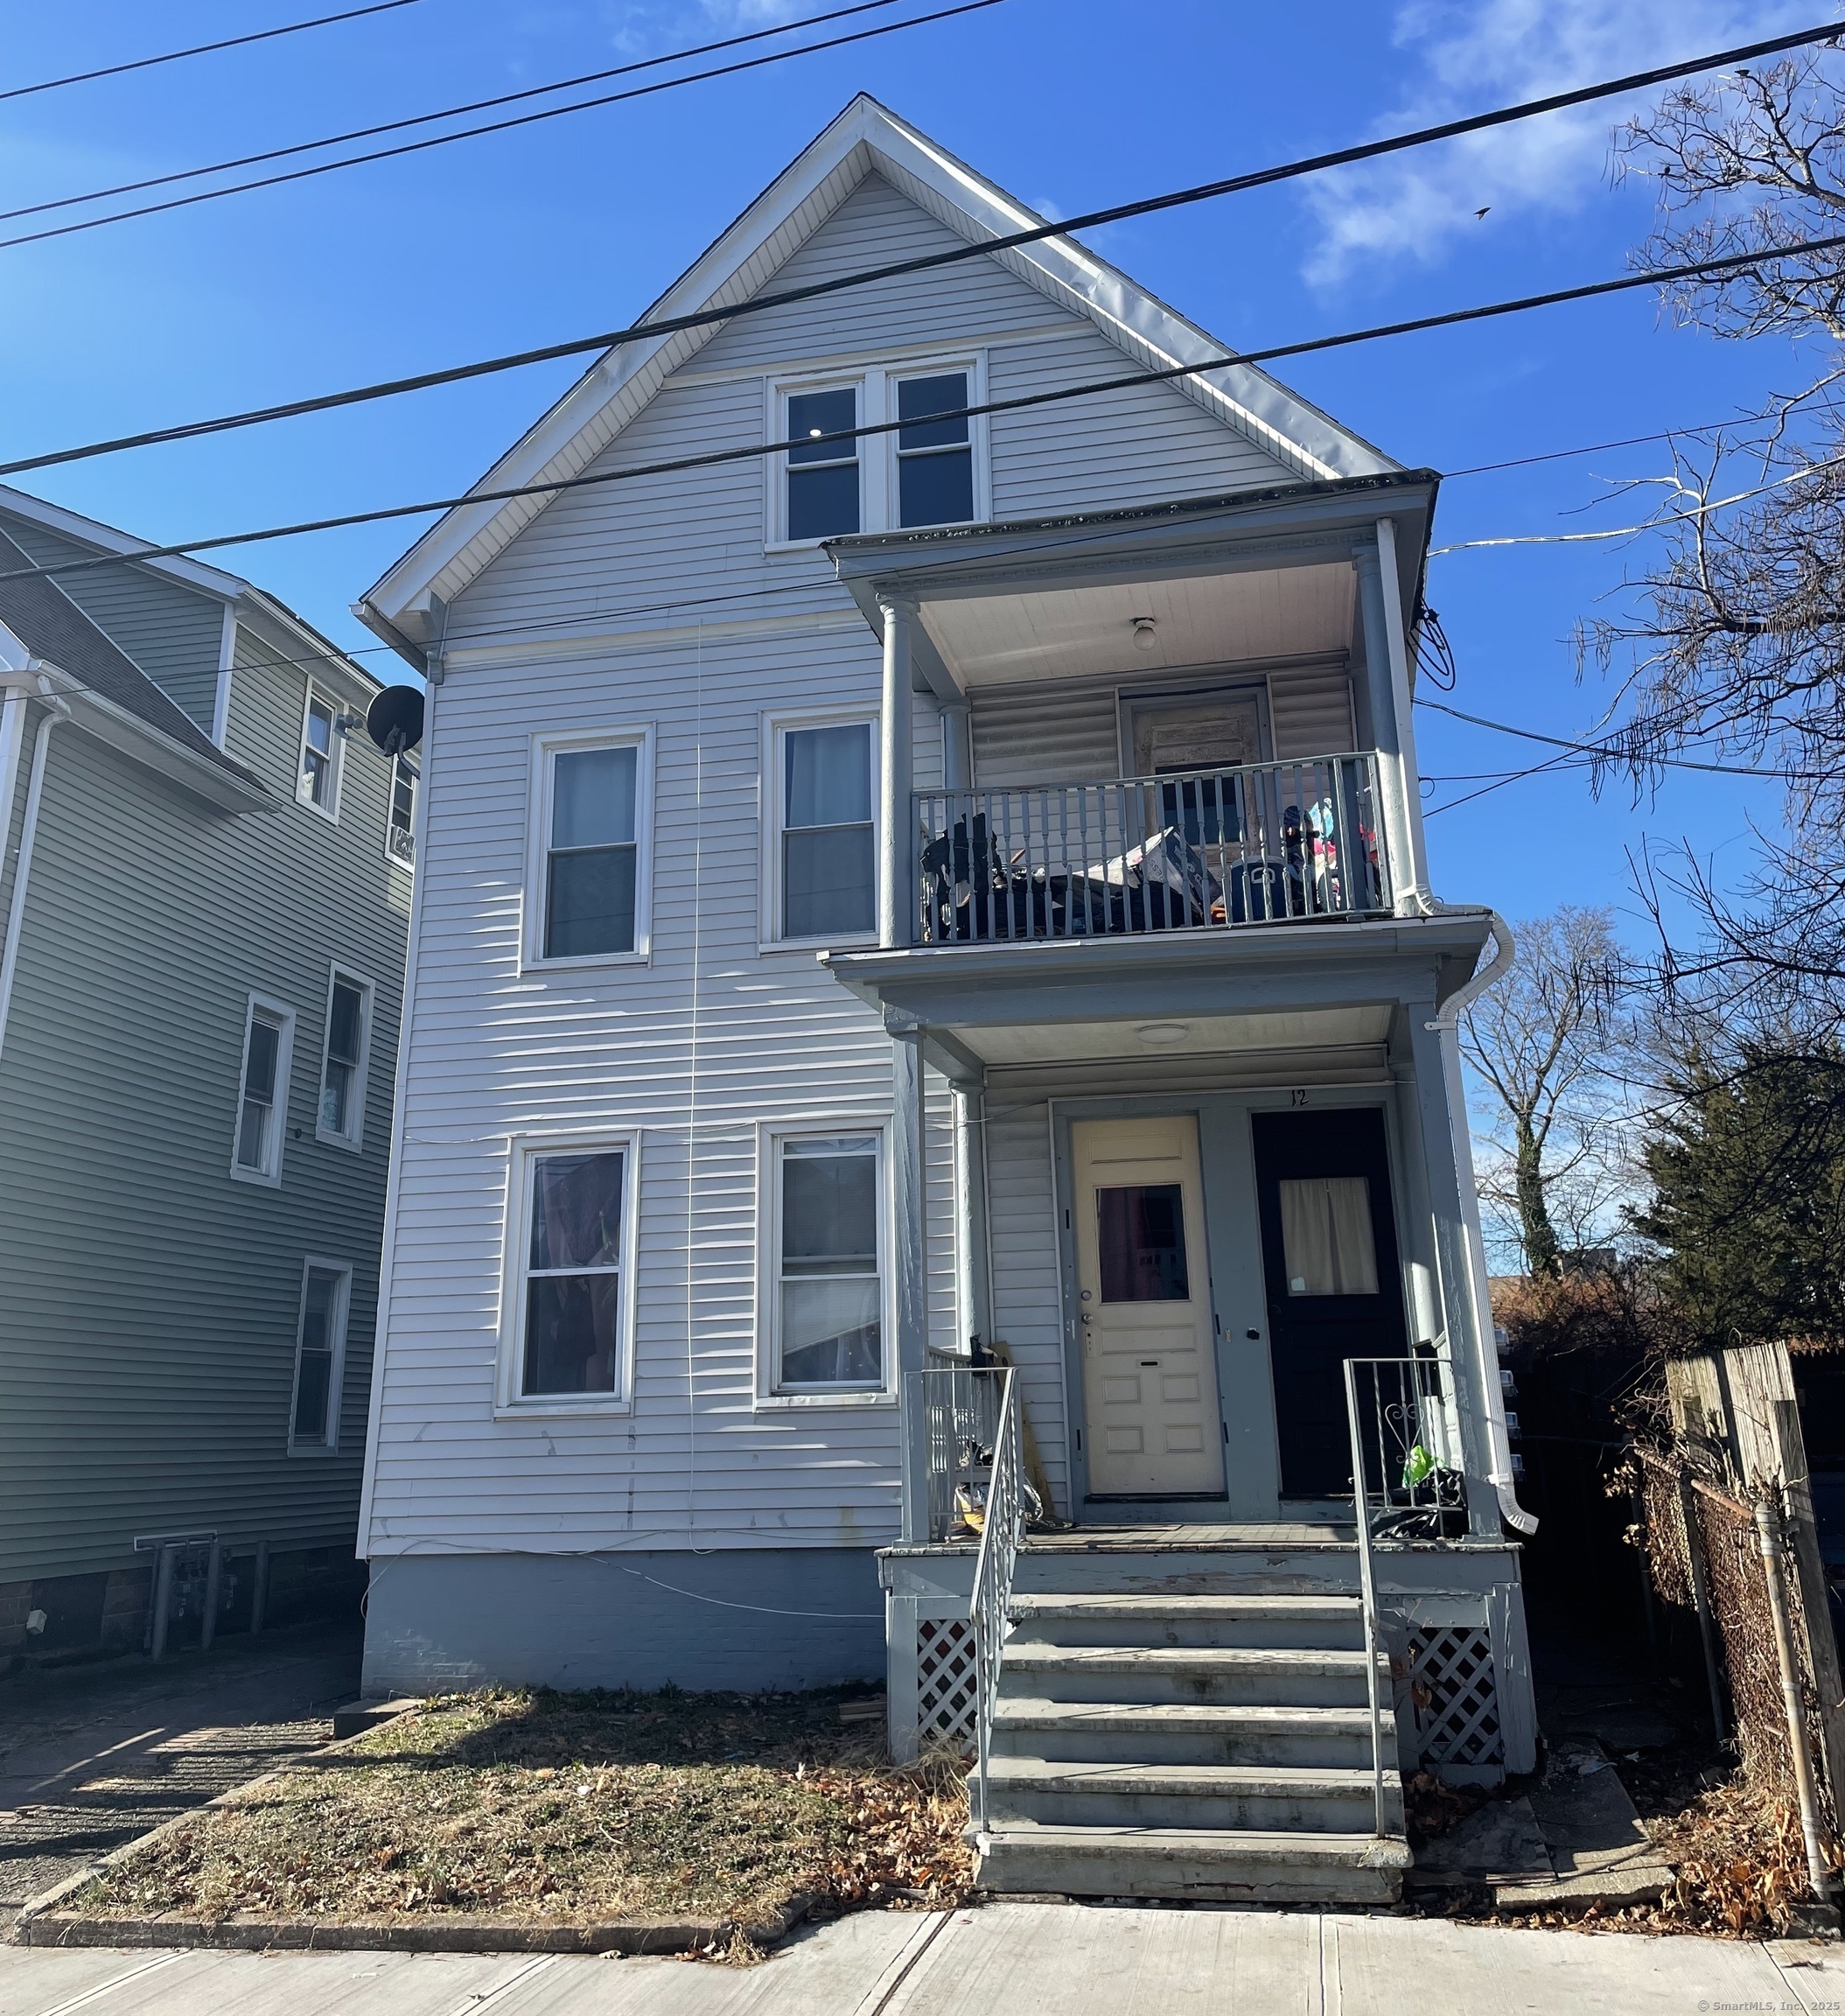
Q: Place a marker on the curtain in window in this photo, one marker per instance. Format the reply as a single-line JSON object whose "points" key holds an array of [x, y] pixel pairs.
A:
{"points": [[1326, 1240]]}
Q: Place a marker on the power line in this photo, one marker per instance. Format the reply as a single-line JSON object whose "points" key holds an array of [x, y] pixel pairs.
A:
{"points": [[704, 318], [1608, 752], [203, 49], [450, 112], [1450, 318], [493, 126]]}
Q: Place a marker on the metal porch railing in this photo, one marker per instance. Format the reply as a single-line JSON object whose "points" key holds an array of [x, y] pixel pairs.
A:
{"points": [[1001, 1533], [1407, 1484], [1262, 843]]}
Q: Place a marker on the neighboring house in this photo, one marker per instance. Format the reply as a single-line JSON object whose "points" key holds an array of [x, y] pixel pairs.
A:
{"points": [[965, 880], [206, 887]]}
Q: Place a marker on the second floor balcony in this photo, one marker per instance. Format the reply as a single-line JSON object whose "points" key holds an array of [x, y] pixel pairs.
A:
{"points": [[1203, 849]]}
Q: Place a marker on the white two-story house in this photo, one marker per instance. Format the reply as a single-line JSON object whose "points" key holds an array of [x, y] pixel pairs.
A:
{"points": [[908, 863]]}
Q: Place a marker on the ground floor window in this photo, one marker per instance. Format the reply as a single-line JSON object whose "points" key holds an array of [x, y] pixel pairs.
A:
{"points": [[326, 1290], [572, 1340], [826, 1249]]}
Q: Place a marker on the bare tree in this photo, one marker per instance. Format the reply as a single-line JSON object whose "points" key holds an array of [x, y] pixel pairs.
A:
{"points": [[1548, 1046], [1735, 648]]}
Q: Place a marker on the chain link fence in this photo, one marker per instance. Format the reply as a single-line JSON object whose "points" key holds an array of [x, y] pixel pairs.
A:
{"points": [[1703, 1556]]}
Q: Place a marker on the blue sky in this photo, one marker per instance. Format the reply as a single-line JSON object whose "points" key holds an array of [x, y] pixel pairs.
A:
{"points": [[576, 225]]}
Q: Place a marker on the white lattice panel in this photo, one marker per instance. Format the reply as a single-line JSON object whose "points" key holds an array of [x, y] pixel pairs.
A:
{"points": [[947, 1680], [1457, 1700]]}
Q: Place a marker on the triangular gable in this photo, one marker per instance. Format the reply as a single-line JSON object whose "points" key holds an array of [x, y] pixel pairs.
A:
{"points": [[866, 139]]}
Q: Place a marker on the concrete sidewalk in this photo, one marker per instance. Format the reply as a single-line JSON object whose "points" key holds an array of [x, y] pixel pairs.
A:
{"points": [[1014, 1959]]}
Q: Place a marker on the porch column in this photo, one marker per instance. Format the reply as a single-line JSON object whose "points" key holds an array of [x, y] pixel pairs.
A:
{"points": [[909, 1262], [1444, 1166], [1392, 782], [1403, 686], [896, 869], [957, 754], [973, 1289]]}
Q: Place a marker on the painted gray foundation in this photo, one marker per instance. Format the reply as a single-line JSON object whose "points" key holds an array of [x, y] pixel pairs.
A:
{"points": [[639, 1620]]}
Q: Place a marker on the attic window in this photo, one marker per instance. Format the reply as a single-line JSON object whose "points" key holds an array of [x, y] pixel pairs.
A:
{"points": [[822, 475]]}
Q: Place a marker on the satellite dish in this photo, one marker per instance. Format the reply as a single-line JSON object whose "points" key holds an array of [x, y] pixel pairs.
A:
{"points": [[394, 719]]}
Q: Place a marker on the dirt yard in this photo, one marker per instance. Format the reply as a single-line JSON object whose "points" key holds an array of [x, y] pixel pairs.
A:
{"points": [[571, 1807]]}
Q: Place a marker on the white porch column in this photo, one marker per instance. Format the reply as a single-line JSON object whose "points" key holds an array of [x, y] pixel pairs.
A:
{"points": [[1394, 783], [972, 1287], [957, 754], [1445, 1169], [896, 869], [1402, 688], [909, 1261]]}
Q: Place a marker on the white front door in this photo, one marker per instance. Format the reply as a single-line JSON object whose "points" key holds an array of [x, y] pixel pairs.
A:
{"points": [[1149, 1367]]}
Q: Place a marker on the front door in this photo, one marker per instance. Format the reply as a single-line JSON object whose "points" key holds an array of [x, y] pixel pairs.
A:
{"points": [[1150, 1367], [1334, 1285]]}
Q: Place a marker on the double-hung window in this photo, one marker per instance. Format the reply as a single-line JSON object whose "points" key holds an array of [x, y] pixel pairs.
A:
{"points": [[934, 456], [588, 898], [570, 1290], [341, 1116], [317, 783], [822, 476], [326, 1293], [262, 1099], [826, 1247], [827, 841], [400, 828]]}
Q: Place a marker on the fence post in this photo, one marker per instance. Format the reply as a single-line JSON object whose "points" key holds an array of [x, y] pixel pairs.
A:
{"points": [[168, 1560], [1701, 1596], [1768, 1531], [214, 1571]]}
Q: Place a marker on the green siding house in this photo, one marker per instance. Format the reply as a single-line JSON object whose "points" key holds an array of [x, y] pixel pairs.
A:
{"points": [[204, 886]]}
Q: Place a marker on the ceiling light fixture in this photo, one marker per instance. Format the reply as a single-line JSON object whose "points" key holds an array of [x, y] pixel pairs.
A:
{"points": [[1162, 1035], [1146, 633]]}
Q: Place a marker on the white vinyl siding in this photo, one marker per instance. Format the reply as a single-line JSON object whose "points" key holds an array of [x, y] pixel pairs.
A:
{"points": [[344, 1057], [326, 1295], [262, 1091]]}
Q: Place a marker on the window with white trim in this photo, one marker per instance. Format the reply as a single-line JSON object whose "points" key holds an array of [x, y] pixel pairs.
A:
{"points": [[345, 1051], [825, 1258], [400, 825], [327, 1294], [822, 477], [571, 1288], [826, 841], [934, 457], [318, 782], [262, 1100], [588, 896]]}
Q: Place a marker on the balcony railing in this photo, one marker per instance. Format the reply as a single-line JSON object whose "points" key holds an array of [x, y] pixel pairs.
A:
{"points": [[1197, 850]]}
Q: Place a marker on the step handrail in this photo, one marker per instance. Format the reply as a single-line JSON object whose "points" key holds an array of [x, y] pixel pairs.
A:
{"points": [[1000, 1531], [1368, 1591]]}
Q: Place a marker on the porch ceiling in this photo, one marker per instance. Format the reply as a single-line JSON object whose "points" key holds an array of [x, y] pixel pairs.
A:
{"points": [[1189, 1036], [1071, 633]]}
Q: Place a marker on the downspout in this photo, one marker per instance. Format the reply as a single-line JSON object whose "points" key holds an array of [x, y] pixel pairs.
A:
{"points": [[57, 711], [1446, 1026]]}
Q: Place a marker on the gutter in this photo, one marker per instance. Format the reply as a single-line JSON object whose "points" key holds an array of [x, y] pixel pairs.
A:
{"points": [[57, 710], [1446, 1027]]}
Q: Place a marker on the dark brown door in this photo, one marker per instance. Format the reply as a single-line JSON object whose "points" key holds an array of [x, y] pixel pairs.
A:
{"points": [[1334, 1284]]}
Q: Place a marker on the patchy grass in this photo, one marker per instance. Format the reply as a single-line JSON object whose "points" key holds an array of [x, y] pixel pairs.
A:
{"points": [[573, 1808]]}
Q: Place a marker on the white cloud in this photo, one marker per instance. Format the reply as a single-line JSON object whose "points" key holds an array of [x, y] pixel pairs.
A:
{"points": [[1478, 53]]}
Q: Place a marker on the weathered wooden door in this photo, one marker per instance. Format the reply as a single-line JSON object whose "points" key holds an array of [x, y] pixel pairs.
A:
{"points": [[1149, 1366]]}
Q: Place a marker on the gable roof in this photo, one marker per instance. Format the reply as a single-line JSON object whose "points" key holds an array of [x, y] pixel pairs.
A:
{"points": [[865, 139], [54, 632]]}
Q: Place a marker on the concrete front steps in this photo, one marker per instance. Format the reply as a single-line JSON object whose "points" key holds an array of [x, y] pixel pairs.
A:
{"points": [[1214, 1745]]}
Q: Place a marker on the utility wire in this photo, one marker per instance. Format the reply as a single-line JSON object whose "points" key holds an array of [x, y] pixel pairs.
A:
{"points": [[497, 125], [1451, 319], [203, 49], [1609, 752], [758, 303], [451, 112]]}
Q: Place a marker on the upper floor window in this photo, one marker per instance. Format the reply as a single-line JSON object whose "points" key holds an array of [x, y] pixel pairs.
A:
{"points": [[934, 456], [341, 1116], [268, 1037], [827, 844], [318, 782], [400, 828], [588, 894], [326, 1293], [822, 476]]}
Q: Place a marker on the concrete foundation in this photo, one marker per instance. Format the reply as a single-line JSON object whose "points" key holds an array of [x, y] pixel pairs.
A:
{"points": [[781, 1618]]}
